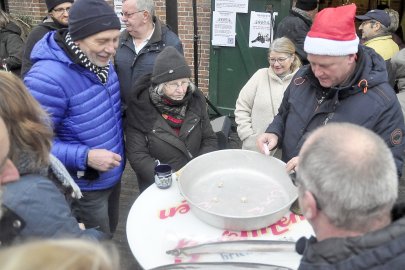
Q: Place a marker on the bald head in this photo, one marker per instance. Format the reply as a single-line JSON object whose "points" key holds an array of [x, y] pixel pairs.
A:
{"points": [[351, 172], [349, 143]]}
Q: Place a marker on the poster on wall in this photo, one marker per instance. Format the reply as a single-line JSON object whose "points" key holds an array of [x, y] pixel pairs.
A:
{"points": [[259, 32], [223, 28], [240, 6]]}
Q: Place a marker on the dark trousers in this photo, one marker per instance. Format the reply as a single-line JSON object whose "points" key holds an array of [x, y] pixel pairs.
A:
{"points": [[99, 209]]}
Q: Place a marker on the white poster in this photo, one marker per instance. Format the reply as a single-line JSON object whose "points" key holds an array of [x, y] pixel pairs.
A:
{"points": [[223, 28], [259, 33], [240, 6]]}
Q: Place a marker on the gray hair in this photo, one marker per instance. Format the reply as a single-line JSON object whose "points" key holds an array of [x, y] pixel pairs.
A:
{"points": [[147, 5], [159, 88], [384, 30], [352, 174], [285, 45]]}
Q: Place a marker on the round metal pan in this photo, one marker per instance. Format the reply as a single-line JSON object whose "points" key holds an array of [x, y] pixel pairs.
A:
{"points": [[237, 189]]}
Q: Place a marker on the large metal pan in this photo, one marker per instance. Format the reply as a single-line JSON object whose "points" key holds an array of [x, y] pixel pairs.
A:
{"points": [[237, 189]]}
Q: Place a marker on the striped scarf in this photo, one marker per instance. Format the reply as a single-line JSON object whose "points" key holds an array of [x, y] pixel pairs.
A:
{"points": [[101, 72]]}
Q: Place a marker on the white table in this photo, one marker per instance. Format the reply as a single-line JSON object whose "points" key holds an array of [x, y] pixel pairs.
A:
{"points": [[160, 220]]}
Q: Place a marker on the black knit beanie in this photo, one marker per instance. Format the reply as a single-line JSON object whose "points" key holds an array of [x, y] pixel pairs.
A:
{"points": [[170, 65], [50, 4], [307, 4], [89, 17]]}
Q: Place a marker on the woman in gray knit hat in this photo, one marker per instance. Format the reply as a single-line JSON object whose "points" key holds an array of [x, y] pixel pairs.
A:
{"points": [[167, 119]]}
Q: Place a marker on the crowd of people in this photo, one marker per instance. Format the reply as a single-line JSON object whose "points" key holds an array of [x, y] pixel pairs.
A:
{"points": [[83, 97]]}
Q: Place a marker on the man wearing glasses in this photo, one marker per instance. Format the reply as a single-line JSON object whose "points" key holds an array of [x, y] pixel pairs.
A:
{"points": [[74, 80], [375, 33], [345, 82], [347, 186], [143, 39], [58, 15]]}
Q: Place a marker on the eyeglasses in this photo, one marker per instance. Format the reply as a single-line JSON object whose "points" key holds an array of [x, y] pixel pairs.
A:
{"points": [[174, 86], [62, 10], [280, 60], [129, 15]]}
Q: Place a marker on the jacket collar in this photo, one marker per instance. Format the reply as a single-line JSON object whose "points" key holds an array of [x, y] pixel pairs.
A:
{"points": [[334, 250], [156, 36]]}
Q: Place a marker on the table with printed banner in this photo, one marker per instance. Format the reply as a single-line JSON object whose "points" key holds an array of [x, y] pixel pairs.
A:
{"points": [[161, 220]]}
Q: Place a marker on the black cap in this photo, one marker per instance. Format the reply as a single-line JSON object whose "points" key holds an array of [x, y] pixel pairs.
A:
{"points": [[378, 15], [89, 17], [50, 4], [170, 65], [307, 4]]}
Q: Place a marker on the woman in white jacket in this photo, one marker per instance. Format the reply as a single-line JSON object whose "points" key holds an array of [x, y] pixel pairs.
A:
{"points": [[261, 96]]}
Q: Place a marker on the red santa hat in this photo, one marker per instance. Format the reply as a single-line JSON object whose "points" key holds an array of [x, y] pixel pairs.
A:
{"points": [[333, 32]]}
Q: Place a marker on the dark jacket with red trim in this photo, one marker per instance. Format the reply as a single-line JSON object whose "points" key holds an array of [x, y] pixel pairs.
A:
{"points": [[149, 136], [376, 108]]}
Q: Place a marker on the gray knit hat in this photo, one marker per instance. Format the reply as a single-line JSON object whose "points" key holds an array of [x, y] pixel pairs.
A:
{"points": [[89, 17], [50, 4], [170, 65]]}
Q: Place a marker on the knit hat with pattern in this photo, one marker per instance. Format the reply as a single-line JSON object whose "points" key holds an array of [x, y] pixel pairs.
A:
{"points": [[89, 17]]}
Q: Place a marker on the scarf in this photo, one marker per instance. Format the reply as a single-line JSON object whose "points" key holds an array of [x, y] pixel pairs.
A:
{"points": [[101, 72], [173, 111]]}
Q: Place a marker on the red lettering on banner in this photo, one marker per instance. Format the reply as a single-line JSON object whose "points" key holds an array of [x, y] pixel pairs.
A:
{"points": [[185, 243], [278, 228], [183, 208]]}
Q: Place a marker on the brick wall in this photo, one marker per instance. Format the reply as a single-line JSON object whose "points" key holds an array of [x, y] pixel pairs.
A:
{"points": [[36, 9]]}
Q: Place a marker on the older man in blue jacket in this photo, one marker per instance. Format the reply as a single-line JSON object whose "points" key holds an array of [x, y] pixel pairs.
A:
{"points": [[74, 80], [345, 82]]}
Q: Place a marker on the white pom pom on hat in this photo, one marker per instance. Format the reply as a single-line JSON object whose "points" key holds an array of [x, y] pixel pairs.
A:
{"points": [[333, 32]]}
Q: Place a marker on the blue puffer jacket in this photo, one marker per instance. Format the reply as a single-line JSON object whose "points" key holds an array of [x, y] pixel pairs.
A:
{"points": [[85, 113], [375, 107]]}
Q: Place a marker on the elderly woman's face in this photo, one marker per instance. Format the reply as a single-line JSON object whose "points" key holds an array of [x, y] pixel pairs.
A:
{"points": [[176, 89], [280, 62]]}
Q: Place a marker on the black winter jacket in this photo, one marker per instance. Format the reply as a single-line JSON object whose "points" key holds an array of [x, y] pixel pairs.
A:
{"points": [[11, 47], [35, 35], [149, 137], [295, 27], [131, 66], [376, 107], [382, 249]]}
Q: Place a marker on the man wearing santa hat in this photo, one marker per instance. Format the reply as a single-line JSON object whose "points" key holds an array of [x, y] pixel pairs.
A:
{"points": [[345, 82]]}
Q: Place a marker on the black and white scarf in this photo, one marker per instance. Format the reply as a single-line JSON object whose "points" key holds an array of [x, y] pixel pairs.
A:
{"points": [[101, 72]]}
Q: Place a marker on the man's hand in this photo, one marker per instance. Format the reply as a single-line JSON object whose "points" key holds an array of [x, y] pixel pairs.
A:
{"points": [[103, 160], [292, 165], [270, 139]]}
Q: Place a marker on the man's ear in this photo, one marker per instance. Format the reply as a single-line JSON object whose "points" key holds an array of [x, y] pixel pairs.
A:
{"points": [[376, 26], [308, 207]]}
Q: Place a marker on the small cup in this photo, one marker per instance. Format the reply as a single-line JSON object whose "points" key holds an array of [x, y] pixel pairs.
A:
{"points": [[163, 176]]}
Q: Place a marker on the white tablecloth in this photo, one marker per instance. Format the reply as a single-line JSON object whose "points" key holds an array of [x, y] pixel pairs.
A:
{"points": [[161, 220]]}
